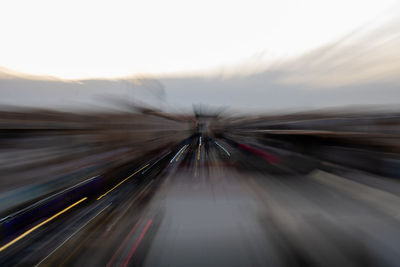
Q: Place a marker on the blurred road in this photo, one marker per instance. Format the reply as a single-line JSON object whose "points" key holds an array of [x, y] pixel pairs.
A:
{"points": [[219, 202]]}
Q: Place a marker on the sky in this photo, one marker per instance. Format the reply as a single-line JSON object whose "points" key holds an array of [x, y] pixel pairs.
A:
{"points": [[78, 39], [246, 55]]}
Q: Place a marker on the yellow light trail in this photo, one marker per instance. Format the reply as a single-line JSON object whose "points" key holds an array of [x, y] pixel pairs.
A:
{"points": [[100, 197], [181, 153], [40, 225]]}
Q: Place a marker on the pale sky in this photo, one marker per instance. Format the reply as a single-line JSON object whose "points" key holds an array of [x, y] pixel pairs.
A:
{"points": [[77, 39]]}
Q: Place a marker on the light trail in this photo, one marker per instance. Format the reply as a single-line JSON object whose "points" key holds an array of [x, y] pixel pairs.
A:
{"points": [[47, 199], [40, 224], [137, 243], [181, 152], [103, 195], [172, 160], [77, 231], [109, 264], [226, 151], [143, 172]]}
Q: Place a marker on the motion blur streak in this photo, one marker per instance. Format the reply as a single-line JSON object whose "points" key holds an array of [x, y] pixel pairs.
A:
{"points": [[260, 133], [66, 240], [41, 224], [106, 193], [124, 243], [201, 188], [198, 152], [180, 154], [137, 243], [226, 151]]}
